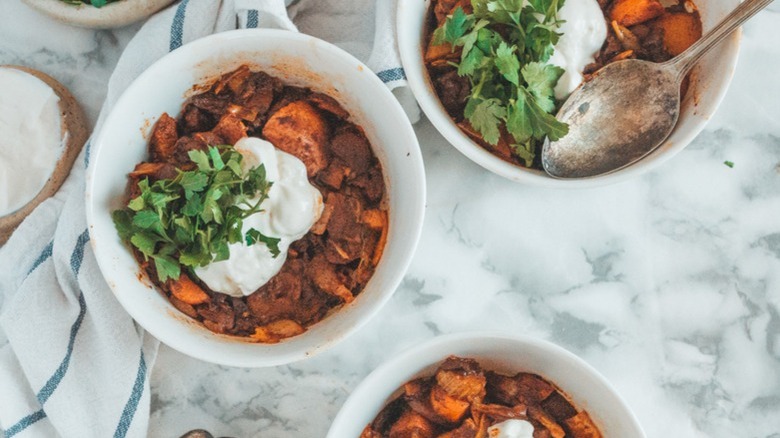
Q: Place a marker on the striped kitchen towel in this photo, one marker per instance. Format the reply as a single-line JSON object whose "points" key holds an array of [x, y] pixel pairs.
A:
{"points": [[72, 362]]}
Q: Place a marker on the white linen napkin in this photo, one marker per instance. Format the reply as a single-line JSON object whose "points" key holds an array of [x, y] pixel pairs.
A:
{"points": [[72, 362]]}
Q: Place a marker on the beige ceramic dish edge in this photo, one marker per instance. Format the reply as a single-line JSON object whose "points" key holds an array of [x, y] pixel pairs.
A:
{"points": [[499, 352], [74, 131], [297, 59], [109, 16], [711, 79]]}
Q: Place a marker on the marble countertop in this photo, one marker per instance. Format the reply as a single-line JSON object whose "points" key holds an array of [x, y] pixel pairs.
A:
{"points": [[668, 284]]}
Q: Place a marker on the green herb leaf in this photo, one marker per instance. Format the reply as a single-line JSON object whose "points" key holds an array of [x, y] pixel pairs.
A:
{"points": [[144, 242], [485, 116], [506, 46], [729, 164], [192, 219], [508, 64], [123, 221], [253, 236], [454, 27], [167, 267], [194, 181], [541, 80], [216, 158], [201, 159]]}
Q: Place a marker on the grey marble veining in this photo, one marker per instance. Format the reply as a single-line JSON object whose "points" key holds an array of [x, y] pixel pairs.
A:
{"points": [[668, 284]]}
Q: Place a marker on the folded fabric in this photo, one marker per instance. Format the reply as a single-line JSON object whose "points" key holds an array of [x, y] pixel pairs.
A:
{"points": [[72, 362]]}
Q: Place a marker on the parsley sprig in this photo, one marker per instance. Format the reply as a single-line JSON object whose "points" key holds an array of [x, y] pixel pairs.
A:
{"points": [[189, 221], [506, 45]]}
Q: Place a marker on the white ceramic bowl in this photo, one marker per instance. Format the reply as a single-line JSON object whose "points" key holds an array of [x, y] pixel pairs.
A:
{"points": [[299, 60], [112, 15], [711, 79], [497, 352]]}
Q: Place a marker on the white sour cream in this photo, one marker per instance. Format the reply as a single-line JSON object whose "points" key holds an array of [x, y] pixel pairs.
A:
{"points": [[31, 137], [584, 32], [511, 429], [292, 207]]}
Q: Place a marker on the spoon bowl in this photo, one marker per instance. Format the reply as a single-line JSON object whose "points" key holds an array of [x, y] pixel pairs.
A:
{"points": [[629, 108], [610, 134]]}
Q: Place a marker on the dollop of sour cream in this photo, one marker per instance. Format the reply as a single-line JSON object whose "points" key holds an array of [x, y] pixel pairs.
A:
{"points": [[584, 33], [32, 138], [511, 429], [292, 207]]}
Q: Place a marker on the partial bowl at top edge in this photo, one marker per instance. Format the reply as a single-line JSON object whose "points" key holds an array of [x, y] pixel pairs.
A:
{"points": [[112, 15], [711, 79], [300, 60]]}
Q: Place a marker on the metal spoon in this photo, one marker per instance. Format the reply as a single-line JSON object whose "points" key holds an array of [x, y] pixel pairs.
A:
{"points": [[629, 108]]}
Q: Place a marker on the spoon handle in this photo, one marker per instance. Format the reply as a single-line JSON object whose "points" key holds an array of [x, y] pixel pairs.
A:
{"points": [[745, 11]]}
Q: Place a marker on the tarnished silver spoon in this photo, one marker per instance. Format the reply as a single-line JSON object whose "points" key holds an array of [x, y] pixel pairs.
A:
{"points": [[629, 108]]}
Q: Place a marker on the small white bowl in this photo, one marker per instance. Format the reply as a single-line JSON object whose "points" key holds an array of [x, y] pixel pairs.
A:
{"points": [[497, 352], [298, 60], [112, 15], [711, 79]]}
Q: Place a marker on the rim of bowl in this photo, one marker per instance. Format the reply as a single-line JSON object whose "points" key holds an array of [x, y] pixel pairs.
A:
{"points": [[419, 82], [111, 15], [196, 349], [399, 362]]}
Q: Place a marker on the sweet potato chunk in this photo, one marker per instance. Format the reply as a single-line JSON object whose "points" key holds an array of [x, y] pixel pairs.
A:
{"points": [[436, 52], [468, 429], [299, 129], [533, 389], [277, 330], [680, 31], [187, 291], [539, 416], [163, 137], [230, 128], [328, 104], [447, 406], [153, 171], [500, 412], [461, 378], [631, 12], [581, 426], [411, 425]]}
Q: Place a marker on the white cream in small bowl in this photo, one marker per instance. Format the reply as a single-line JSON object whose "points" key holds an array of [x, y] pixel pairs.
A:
{"points": [[32, 137], [710, 81]]}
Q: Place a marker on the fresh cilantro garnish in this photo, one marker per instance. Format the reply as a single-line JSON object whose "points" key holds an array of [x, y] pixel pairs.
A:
{"points": [[505, 48], [729, 163], [189, 221]]}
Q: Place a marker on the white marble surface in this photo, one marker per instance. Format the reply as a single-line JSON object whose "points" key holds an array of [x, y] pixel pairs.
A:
{"points": [[668, 284]]}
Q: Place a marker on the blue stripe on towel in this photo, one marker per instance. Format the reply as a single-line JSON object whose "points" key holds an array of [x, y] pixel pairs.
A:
{"points": [[78, 253], [177, 28], [24, 423], [393, 74], [88, 148], [59, 374], [76, 258], [252, 19], [45, 255], [132, 404]]}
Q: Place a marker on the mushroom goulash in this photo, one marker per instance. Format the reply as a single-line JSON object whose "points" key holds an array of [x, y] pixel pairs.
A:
{"points": [[502, 68], [259, 209], [461, 400]]}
